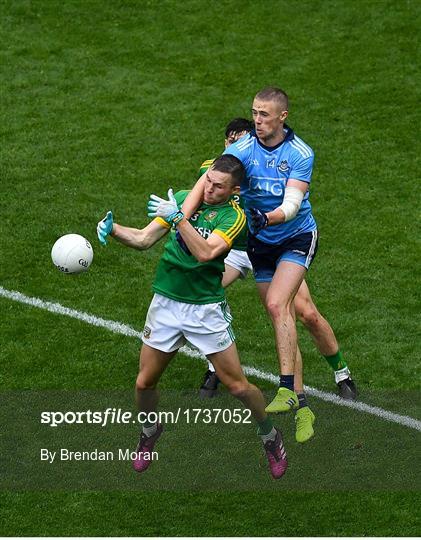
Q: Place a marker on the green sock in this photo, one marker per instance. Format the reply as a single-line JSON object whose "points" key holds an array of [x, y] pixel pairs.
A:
{"points": [[146, 424], [336, 361], [265, 427]]}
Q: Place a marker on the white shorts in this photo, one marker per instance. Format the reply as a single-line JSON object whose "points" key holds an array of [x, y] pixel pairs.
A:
{"points": [[240, 261], [169, 324]]}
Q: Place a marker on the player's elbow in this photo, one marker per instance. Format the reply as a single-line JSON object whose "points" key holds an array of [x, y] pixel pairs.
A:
{"points": [[209, 254], [204, 257], [143, 241]]}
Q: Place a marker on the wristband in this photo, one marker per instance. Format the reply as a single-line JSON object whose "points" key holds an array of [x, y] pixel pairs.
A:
{"points": [[175, 217]]}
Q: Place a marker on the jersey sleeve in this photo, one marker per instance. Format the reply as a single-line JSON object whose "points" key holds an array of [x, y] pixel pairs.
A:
{"points": [[205, 166], [231, 224], [162, 222], [302, 168]]}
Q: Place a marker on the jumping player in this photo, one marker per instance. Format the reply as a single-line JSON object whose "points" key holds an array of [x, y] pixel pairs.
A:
{"points": [[237, 265], [283, 233], [189, 301]]}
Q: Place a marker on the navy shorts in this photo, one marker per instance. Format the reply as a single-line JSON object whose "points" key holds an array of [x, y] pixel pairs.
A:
{"points": [[300, 249]]}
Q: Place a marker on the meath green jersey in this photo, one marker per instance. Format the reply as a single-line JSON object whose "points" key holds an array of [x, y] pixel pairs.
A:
{"points": [[179, 275], [241, 241]]}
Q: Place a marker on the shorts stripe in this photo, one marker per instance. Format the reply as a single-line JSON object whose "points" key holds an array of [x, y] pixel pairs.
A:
{"points": [[231, 333], [228, 317], [312, 248]]}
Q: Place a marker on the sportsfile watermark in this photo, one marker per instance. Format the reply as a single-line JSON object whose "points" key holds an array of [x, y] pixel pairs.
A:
{"points": [[112, 416], [89, 439]]}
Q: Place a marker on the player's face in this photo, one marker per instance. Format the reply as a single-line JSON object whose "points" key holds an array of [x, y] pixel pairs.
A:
{"points": [[269, 120], [233, 137], [218, 187]]}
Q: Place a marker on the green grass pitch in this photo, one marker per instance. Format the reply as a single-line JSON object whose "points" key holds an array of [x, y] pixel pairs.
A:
{"points": [[105, 102]]}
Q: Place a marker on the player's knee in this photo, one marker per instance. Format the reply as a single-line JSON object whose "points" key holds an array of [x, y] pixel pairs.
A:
{"points": [[309, 316], [238, 389], [277, 310], [144, 383]]}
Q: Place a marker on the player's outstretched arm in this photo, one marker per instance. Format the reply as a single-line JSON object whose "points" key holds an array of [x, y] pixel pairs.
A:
{"points": [[140, 238], [129, 236]]}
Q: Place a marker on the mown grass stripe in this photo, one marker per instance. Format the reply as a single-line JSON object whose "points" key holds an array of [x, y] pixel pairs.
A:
{"points": [[120, 328]]}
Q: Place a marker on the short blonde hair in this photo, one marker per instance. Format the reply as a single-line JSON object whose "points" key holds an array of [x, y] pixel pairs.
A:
{"points": [[271, 93]]}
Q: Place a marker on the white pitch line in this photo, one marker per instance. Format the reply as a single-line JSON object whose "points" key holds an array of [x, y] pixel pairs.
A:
{"points": [[333, 398], [124, 329]]}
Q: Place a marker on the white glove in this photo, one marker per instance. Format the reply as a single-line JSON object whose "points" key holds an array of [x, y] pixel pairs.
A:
{"points": [[167, 209]]}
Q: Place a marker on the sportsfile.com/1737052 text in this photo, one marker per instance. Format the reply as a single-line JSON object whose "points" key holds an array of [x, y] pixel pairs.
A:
{"points": [[111, 416]]}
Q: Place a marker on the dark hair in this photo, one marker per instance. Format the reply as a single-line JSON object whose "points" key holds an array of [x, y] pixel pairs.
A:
{"points": [[237, 125], [231, 165], [271, 93]]}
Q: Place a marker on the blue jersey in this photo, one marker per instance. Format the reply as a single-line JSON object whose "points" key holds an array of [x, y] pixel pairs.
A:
{"points": [[267, 171]]}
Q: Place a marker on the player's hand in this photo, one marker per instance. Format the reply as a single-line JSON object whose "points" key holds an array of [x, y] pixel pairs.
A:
{"points": [[259, 220], [104, 228], [166, 209]]}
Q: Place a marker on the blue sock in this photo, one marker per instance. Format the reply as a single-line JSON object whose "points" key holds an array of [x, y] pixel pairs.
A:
{"points": [[302, 401], [287, 381]]}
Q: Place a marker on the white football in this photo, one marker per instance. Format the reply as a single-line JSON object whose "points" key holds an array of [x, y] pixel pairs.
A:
{"points": [[72, 254]]}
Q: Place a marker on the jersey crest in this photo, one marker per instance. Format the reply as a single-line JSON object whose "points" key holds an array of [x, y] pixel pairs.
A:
{"points": [[283, 166], [211, 215]]}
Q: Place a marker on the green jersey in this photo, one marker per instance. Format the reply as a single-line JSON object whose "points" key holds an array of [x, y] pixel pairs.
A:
{"points": [[179, 275], [241, 241]]}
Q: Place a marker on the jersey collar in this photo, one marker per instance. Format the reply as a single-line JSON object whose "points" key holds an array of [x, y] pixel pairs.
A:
{"points": [[289, 135]]}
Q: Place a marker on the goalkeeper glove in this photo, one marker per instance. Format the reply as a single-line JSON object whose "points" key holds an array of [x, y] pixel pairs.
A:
{"points": [[259, 220], [168, 210], [104, 228]]}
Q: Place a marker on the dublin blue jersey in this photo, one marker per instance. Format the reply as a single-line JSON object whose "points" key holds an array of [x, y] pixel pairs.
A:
{"points": [[267, 172]]}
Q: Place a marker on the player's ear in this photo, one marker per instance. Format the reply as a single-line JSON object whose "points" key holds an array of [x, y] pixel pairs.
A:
{"points": [[236, 190], [283, 116]]}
